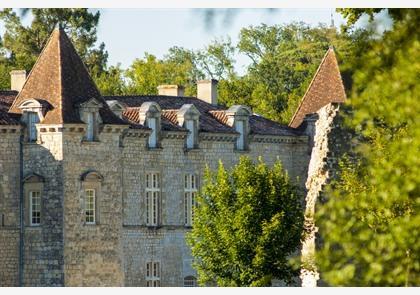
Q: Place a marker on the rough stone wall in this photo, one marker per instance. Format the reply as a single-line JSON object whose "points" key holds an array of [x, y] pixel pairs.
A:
{"points": [[43, 245], [166, 244], [9, 206], [92, 253], [66, 251], [331, 141]]}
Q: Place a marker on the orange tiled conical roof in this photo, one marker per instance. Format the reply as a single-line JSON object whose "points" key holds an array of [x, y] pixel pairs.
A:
{"points": [[60, 78], [325, 87]]}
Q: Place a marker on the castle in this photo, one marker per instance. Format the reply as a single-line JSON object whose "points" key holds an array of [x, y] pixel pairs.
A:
{"points": [[98, 190]]}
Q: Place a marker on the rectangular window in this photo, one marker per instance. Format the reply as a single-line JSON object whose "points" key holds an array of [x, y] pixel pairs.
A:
{"points": [[35, 208], [152, 199], [32, 120], [90, 127], [90, 204], [151, 123], [190, 137], [240, 142], [152, 274], [190, 192]]}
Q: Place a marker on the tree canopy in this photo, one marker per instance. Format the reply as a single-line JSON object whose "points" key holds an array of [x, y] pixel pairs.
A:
{"points": [[247, 223], [21, 45], [369, 225]]}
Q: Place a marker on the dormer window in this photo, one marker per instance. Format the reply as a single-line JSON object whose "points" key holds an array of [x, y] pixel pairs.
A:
{"points": [[188, 117], [116, 107], [149, 115], [33, 119], [240, 141], [151, 123], [89, 113], [238, 118], [189, 124], [33, 112], [90, 117]]}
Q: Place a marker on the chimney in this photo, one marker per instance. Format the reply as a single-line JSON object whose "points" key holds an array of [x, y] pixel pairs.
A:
{"points": [[207, 91], [171, 90], [17, 79]]}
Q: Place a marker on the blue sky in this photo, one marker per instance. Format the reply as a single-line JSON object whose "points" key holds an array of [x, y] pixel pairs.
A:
{"points": [[129, 33]]}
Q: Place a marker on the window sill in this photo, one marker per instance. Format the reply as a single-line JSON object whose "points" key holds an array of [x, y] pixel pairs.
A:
{"points": [[241, 151], [193, 150], [31, 143], [33, 227], [154, 149], [90, 142]]}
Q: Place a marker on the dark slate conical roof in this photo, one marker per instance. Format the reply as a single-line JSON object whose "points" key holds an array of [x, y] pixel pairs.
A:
{"points": [[60, 78]]}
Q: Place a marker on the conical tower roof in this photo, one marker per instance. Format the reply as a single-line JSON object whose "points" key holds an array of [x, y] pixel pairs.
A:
{"points": [[60, 78], [326, 87]]}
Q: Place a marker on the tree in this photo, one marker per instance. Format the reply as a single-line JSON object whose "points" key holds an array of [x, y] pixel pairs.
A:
{"points": [[284, 59], [369, 223], [21, 44], [247, 223]]}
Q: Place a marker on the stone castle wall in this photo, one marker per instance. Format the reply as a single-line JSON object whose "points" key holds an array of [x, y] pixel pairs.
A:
{"points": [[9, 206], [43, 245], [114, 252], [166, 244]]}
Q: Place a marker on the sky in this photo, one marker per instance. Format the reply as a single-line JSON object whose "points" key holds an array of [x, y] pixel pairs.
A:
{"points": [[129, 33]]}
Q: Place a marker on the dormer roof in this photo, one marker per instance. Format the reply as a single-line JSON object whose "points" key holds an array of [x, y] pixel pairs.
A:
{"points": [[60, 78]]}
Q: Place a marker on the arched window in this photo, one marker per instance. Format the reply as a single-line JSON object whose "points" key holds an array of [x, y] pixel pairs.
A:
{"points": [[33, 112], [149, 115], [188, 117], [91, 190], [33, 190], [190, 281]]}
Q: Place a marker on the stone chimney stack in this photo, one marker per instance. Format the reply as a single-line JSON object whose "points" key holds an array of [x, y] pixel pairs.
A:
{"points": [[171, 90], [17, 79], [207, 90]]}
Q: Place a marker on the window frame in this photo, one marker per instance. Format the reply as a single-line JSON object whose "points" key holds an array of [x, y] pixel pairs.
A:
{"points": [[153, 198], [153, 272], [240, 141], [190, 279], [90, 126], [93, 209], [31, 209], [91, 180], [32, 120], [153, 139], [190, 195], [191, 136]]}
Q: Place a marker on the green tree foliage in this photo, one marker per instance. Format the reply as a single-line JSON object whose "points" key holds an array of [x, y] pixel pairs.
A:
{"points": [[284, 60], [21, 45], [370, 223], [247, 224]]}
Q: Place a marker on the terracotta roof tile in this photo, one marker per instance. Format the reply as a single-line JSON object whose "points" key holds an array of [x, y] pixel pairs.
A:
{"points": [[60, 78], [326, 87], [6, 100]]}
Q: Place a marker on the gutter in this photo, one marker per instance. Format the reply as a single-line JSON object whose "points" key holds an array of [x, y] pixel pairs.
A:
{"points": [[21, 213]]}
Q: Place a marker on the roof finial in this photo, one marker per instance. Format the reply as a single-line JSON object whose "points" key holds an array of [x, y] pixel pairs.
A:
{"points": [[59, 26]]}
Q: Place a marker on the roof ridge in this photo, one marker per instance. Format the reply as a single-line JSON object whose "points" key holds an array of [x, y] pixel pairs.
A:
{"points": [[312, 81], [32, 69], [325, 87], [60, 70]]}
